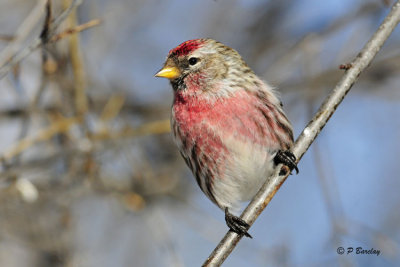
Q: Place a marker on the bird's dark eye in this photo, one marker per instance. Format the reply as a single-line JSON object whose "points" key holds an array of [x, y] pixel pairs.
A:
{"points": [[193, 60]]}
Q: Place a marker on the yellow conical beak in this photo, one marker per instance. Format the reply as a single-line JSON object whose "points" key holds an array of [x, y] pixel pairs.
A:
{"points": [[168, 72]]}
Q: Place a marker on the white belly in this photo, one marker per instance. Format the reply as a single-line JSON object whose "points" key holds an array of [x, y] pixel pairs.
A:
{"points": [[245, 171]]}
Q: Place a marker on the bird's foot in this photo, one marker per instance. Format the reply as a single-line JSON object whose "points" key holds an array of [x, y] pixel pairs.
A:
{"points": [[287, 158], [236, 224]]}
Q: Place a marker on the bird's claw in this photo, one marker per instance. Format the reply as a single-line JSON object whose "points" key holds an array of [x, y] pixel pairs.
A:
{"points": [[236, 224], [287, 158]]}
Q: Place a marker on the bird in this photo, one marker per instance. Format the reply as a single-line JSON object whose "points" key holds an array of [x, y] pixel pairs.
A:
{"points": [[227, 123]]}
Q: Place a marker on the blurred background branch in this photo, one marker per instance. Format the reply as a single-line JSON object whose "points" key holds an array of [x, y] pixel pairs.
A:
{"points": [[9, 59]]}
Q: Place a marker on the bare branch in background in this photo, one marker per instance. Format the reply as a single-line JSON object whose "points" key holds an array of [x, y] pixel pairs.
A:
{"points": [[22, 32], [60, 126], [8, 63], [268, 190], [74, 30]]}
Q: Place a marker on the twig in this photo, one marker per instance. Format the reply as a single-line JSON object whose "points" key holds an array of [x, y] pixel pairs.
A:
{"points": [[44, 35], [268, 190], [112, 107], [75, 30], [151, 128], [81, 104], [23, 31]]}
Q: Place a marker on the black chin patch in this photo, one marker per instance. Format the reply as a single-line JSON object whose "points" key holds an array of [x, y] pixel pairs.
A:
{"points": [[178, 83]]}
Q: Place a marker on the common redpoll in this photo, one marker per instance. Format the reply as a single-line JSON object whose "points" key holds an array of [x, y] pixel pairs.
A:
{"points": [[227, 123]]}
